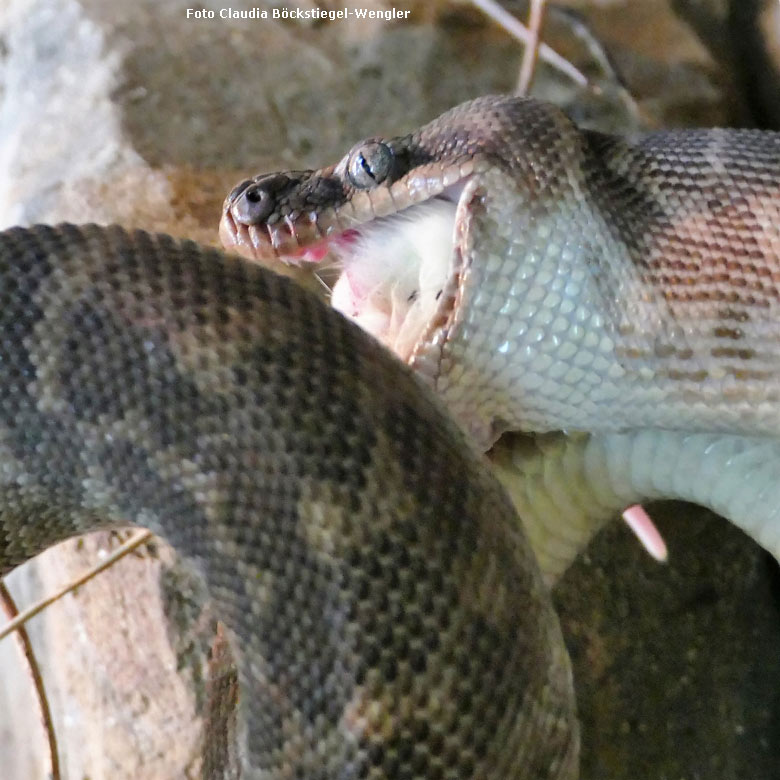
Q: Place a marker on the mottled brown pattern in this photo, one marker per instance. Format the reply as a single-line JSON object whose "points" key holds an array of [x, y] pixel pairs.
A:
{"points": [[387, 618], [698, 210]]}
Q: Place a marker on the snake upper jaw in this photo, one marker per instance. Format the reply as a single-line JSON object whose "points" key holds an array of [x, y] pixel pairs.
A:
{"points": [[259, 244], [293, 241], [393, 268]]}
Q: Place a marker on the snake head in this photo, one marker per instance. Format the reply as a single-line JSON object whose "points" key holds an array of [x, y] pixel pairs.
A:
{"points": [[387, 209], [296, 215], [396, 216]]}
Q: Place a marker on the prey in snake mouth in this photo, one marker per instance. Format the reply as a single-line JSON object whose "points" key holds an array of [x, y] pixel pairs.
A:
{"points": [[385, 216]]}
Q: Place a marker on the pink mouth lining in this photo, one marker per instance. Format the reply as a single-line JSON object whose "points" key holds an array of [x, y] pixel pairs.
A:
{"points": [[314, 253]]}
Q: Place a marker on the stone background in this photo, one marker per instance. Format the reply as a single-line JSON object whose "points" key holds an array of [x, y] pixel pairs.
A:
{"points": [[129, 112]]}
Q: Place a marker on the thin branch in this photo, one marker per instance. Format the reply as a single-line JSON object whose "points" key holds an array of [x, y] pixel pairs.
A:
{"points": [[516, 28], [580, 30], [11, 611], [136, 540], [531, 51]]}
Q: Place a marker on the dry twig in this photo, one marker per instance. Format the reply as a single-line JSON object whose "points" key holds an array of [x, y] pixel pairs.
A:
{"points": [[136, 540], [11, 611], [531, 51], [516, 28]]}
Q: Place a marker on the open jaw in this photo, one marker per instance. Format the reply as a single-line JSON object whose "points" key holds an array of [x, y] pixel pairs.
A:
{"points": [[396, 275]]}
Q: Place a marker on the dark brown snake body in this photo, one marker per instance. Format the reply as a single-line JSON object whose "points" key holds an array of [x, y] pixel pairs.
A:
{"points": [[388, 619]]}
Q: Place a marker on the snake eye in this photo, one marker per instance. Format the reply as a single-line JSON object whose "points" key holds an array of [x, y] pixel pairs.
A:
{"points": [[370, 164]]}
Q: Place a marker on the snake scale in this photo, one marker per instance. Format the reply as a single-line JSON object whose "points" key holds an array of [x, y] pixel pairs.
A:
{"points": [[388, 616], [388, 619], [627, 290]]}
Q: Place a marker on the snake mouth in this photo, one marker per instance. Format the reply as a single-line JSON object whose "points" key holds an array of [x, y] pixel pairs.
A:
{"points": [[395, 275], [291, 242]]}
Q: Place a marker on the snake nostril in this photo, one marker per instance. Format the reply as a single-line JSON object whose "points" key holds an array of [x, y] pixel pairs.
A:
{"points": [[252, 204], [238, 189]]}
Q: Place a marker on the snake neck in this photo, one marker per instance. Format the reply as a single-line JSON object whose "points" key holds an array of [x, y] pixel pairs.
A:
{"points": [[567, 488]]}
